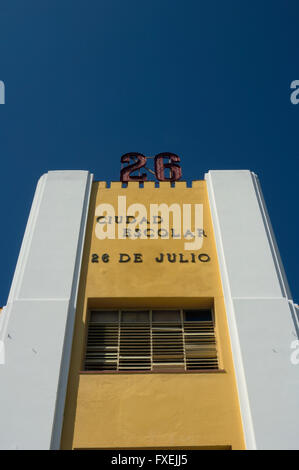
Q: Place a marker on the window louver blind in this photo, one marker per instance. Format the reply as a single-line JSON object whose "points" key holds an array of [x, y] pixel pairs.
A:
{"points": [[151, 340]]}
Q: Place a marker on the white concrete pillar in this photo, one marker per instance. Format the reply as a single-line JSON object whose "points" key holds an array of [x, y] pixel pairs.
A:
{"points": [[261, 314], [37, 324]]}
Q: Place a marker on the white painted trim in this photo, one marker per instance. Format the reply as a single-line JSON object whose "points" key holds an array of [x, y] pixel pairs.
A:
{"points": [[262, 318], [27, 240], [21, 262], [38, 322], [234, 337], [272, 240], [67, 349]]}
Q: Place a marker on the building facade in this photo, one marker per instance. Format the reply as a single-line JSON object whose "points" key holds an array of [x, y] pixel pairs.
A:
{"points": [[122, 333]]}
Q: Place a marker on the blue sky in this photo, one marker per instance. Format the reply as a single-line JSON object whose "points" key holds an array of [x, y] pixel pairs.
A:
{"points": [[89, 81]]}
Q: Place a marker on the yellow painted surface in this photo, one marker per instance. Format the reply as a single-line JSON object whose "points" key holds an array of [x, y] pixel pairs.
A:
{"points": [[151, 410]]}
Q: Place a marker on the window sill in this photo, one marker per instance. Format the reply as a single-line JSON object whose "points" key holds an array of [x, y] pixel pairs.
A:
{"points": [[165, 371]]}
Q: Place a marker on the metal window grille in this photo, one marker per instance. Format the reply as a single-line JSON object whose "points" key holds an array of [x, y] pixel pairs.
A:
{"points": [[151, 340]]}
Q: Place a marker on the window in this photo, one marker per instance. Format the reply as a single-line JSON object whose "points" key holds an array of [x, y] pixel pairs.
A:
{"points": [[151, 340]]}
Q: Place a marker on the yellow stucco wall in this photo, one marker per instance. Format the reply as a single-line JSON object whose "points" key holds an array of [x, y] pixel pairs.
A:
{"points": [[151, 410]]}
